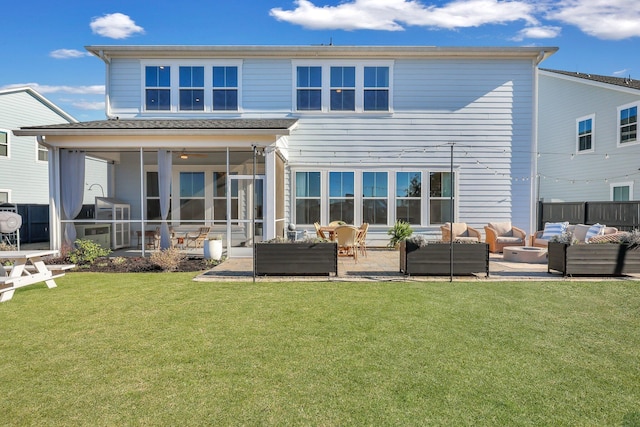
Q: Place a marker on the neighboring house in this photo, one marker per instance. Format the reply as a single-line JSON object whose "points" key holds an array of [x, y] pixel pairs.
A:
{"points": [[357, 133], [588, 146], [24, 175]]}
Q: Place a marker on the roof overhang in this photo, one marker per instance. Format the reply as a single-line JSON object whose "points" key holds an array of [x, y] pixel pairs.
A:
{"points": [[107, 52]]}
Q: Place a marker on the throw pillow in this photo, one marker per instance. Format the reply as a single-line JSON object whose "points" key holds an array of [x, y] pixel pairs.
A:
{"points": [[595, 230], [459, 229], [554, 229], [502, 228], [580, 232]]}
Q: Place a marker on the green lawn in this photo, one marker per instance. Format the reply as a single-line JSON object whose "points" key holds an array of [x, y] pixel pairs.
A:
{"points": [[160, 349]]}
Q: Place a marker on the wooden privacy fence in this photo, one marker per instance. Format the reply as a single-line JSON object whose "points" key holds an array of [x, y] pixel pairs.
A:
{"points": [[624, 216]]}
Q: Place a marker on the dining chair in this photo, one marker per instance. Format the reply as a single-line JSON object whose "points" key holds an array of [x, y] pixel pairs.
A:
{"points": [[347, 238], [197, 239], [319, 232], [362, 238]]}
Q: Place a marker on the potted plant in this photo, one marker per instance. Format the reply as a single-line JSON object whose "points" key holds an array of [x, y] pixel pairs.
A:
{"points": [[282, 257], [399, 232], [617, 255], [419, 256], [213, 248]]}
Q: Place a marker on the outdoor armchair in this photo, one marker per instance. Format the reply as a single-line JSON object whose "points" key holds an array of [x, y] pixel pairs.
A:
{"points": [[461, 232], [502, 234]]}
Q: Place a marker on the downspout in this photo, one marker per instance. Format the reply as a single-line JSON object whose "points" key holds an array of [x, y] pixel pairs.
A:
{"points": [[107, 99]]}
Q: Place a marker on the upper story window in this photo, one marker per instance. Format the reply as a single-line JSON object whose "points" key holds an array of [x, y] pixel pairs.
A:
{"points": [[376, 88], [192, 88], [343, 89], [585, 133], [158, 88], [225, 88], [43, 153], [4, 144], [628, 124], [309, 88]]}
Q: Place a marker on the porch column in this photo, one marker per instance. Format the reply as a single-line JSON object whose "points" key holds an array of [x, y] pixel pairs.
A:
{"points": [[55, 236], [269, 212]]}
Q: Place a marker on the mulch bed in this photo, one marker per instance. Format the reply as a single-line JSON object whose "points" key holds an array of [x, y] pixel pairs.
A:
{"points": [[138, 265]]}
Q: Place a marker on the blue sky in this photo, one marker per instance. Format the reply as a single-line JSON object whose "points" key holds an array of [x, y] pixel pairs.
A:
{"points": [[47, 52]]}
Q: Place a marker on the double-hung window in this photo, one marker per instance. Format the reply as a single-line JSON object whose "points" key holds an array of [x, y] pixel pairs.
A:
{"points": [[4, 196], [158, 88], [375, 197], [307, 197], [191, 88], [409, 197], [309, 88], [441, 192], [43, 153], [621, 192], [343, 89], [4, 144], [341, 197], [629, 124], [225, 88], [376, 88], [585, 134]]}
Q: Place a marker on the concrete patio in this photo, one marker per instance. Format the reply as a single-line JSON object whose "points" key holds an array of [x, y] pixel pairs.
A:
{"points": [[382, 264]]}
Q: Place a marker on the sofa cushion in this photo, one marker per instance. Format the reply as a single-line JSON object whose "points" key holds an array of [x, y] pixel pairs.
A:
{"points": [[502, 228], [595, 230], [540, 242], [580, 232], [554, 229], [509, 239]]}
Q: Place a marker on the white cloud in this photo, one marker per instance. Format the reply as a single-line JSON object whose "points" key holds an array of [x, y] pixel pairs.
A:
{"points": [[623, 72], [395, 15], [115, 26], [604, 19], [540, 32], [74, 90], [68, 53]]}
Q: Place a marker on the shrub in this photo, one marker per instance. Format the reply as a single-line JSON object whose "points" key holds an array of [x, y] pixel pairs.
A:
{"points": [[167, 259], [566, 237], [399, 232], [86, 252], [631, 238]]}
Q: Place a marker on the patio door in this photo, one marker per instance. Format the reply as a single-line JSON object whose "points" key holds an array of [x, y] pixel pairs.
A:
{"points": [[242, 201]]}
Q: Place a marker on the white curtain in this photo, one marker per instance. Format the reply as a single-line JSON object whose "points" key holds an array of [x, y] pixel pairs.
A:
{"points": [[164, 190], [71, 191]]}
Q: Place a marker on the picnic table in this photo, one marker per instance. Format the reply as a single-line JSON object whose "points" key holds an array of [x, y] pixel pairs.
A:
{"points": [[28, 268]]}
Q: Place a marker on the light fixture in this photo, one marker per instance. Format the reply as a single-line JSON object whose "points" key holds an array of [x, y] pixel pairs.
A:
{"points": [[184, 156]]}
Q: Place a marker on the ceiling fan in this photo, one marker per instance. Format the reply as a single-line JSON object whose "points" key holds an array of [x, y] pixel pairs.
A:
{"points": [[186, 154]]}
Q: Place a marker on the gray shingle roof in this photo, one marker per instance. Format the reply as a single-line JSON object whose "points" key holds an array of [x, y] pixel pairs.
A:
{"points": [[186, 124], [616, 81]]}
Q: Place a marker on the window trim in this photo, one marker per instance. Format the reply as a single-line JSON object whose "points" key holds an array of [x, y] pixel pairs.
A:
{"points": [[8, 133], [359, 197], [325, 95], [174, 87], [628, 184], [579, 120], [8, 192], [619, 126]]}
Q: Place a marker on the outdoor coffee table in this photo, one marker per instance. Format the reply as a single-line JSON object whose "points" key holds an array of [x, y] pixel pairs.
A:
{"points": [[528, 254]]}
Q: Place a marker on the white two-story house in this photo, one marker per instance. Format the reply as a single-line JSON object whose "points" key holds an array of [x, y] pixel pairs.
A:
{"points": [[251, 139], [588, 138]]}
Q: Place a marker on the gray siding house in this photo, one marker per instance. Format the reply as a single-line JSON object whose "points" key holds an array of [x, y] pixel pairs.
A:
{"points": [[588, 142], [24, 175], [251, 139]]}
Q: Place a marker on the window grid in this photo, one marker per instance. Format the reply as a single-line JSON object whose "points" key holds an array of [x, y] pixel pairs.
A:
{"points": [[409, 197], [376, 92], [158, 88], [375, 198], [4, 144], [308, 197], [309, 88], [585, 135], [43, 153], [628, 125], [341, 197], [343, 93], [191, 88], [441, 190], [225, 88]]}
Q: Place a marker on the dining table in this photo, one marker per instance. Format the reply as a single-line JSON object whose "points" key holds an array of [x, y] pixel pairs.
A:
{"points": [[27, 267]]}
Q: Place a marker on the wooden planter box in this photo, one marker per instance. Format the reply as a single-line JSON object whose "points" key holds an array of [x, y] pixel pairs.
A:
{"points": [[434, 260], [606, 259], [295, 259]]}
